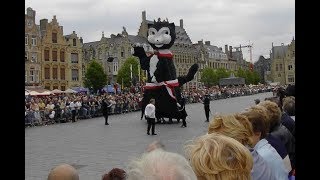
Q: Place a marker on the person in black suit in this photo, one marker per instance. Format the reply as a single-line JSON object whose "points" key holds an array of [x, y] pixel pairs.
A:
{"points": [[105, 110], [206, 103], [183, 103]]}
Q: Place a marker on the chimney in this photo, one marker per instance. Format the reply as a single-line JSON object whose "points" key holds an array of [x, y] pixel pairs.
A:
{"points": [[226, 49], [144, 16], [200, 42], [54, 20], [31, 13], [73, 32], [272, 44], [181, 23], [207, 43], [43, 24], [81, 40], [230, 49]]}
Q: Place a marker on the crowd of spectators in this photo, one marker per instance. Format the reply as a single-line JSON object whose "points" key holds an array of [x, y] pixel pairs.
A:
{"points": [[44, 110], [256, 143]]}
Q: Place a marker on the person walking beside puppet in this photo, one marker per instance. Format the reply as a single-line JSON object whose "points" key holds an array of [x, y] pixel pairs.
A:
{"points": [[150, 115]]}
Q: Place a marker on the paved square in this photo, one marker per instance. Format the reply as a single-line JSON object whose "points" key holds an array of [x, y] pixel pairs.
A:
{"points": [[94, 148]]}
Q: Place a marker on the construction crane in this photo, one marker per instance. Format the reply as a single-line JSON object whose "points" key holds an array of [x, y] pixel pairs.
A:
{"points": [[250, 46]]}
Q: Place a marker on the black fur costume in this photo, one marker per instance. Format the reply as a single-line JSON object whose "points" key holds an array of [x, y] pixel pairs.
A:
{"points": [[163, 85]]}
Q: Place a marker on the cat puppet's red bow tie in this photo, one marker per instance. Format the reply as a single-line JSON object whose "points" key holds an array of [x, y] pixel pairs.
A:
{"points": [[164, 55]]}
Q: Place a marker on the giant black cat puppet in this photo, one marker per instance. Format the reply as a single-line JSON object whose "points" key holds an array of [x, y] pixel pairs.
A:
{"points": [[163, 85]]}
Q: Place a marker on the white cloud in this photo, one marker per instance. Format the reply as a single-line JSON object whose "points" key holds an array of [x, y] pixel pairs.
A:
{"points": [[219, 21]]}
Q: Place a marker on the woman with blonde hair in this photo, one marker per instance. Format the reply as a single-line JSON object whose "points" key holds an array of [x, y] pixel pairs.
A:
{"points": [[218, 157], [240, 128]]}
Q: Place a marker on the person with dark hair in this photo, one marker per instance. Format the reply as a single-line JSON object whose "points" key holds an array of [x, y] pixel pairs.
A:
{"points": [[182, 102], [206, 103], [150, 115], [257, 101], [105, 110], [290, 90], [115, 174]]}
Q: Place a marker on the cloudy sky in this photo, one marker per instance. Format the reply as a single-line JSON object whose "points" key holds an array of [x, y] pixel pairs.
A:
{"points": [[221, 22]]}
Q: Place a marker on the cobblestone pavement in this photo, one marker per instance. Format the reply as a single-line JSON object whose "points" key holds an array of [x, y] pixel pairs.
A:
{"points": [[94, 148]]}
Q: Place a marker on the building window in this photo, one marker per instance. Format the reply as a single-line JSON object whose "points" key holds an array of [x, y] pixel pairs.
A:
{"points": [[55, 73], [46, 55], [54, 37], [122, 52], [25, 56], [290, 79], [25, 76], [34, 57], [47, 87], [54, 55], [279, 75], [293, 53], [74, 57], [47, 73], [75, 74], [62, 56], [62, 74], [63, 88], [276, 67], [83, 70], [280, 67], [34, 75], [55, 86], [115, 67], [26, 39], [289, 67], [34, 41], [99, 54], [74, 42], [31, 76]]}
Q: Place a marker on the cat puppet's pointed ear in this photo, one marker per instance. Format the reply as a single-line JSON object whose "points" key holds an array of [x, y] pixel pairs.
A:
{"points": [[149, 24]]}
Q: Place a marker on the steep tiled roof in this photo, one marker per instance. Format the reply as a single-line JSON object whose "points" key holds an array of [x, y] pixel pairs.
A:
{"points": [[182, 36], [94, 44], [279, 52], [212, 48], [137, 39], [237, 55]]}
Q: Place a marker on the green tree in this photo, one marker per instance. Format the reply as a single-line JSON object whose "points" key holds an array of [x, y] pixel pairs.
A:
{"points": [[256, 77], [124, 73], [249, 77], [241, 73], [222, 73], [208, 77], [95, 76]]}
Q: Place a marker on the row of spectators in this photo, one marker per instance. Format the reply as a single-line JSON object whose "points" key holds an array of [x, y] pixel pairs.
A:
{"points": [[55, 108]]}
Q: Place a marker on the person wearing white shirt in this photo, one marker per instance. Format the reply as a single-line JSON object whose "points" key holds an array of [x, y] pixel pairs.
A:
{"points": [[150, 114], [73, 110]]}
